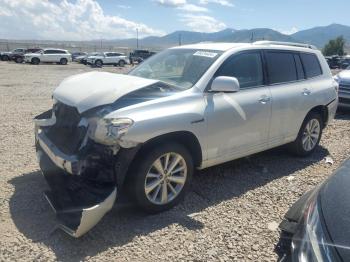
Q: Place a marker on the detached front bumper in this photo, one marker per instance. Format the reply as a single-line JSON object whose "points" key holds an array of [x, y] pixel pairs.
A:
{"points": [[79, 198]]}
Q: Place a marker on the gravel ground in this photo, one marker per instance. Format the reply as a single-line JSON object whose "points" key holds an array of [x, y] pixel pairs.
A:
{"points": [[230, 213]]}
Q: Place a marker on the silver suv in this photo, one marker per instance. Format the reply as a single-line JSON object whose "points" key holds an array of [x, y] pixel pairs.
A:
{"points": [[191, 107]]}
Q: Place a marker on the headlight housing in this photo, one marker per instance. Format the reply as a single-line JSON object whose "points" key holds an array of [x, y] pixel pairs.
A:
{"points": [[336, 78], [107, 131], [311, 242]]}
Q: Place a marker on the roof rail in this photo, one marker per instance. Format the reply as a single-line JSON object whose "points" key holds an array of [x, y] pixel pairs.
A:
{"points": [[285, 43]]}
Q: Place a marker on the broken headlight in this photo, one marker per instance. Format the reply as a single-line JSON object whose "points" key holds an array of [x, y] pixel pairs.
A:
{"points": [[107, 131]]}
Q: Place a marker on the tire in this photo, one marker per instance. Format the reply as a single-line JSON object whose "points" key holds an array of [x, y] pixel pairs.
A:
{"points": [[63, 61], [121, 63], [144, 175], [35, 61], [313, 121], [19, 60], [98, 63], [5, 58]]}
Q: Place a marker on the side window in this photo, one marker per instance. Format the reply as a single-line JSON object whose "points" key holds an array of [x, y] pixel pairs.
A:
{"points": [[281, 67], [48, 52], [246, 67], [311, 65], [299, 66]]}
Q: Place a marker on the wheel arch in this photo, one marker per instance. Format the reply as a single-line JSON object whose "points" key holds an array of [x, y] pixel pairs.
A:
{"points": [[323, 111], [185, 138]]}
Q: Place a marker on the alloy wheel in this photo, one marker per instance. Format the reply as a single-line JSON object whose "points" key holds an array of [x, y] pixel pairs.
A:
{"points": [[166, 178], [311, 134]]}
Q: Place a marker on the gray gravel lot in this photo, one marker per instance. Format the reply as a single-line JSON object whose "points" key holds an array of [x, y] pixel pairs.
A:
{"points": [[229, 214]]}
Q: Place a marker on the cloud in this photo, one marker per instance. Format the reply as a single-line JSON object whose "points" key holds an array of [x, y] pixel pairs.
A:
{"points": [[124, 6], [219, 2], [182, 5], [64, 20], [289, 31], [202, 23], [171, 3]]}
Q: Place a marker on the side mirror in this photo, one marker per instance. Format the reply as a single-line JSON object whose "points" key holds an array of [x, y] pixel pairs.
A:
{"points": [[225, 84]]}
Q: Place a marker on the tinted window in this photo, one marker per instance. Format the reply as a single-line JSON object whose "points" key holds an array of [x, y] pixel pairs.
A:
{"points": [[247, 68], [299, 66], [111, 54], [281, 67], [48, 52], [311, 65]]}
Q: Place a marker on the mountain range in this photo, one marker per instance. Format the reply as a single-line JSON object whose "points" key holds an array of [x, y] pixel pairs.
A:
{"points": [[318, 36]]}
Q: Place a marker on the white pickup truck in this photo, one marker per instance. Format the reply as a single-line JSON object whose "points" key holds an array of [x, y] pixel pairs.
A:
{"points": [[108, 58]]}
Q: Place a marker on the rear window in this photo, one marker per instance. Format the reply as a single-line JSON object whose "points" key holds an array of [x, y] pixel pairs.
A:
{"points": [[311, 65], [281, 67]]}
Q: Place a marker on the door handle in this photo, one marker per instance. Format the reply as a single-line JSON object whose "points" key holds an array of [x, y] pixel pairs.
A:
{"points": [[306, 92], [264, 99]]}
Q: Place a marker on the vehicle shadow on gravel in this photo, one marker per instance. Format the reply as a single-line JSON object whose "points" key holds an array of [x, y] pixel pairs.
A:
{"points": [[35, 220]]}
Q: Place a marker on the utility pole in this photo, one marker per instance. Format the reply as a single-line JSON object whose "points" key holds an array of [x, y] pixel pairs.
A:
{"points": [[137, 38]]}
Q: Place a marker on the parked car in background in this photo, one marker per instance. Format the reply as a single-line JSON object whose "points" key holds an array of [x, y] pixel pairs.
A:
{"points": [[345, 62], [317, 227], [5, 56], [143, 134], [19, 57], [140, 55], [108, 58], [334, 62], [77, 55], [49, 55], [83, 59], [343, 79]]}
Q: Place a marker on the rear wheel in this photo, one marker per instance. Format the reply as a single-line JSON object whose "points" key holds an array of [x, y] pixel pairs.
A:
{"points": [[121, 63], [35, 61], [5, 58], [309, 135], [63, 61], [162, 177]]}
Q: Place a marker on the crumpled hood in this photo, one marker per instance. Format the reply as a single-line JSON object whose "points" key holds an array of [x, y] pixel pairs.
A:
{"points": [[89, 90]]}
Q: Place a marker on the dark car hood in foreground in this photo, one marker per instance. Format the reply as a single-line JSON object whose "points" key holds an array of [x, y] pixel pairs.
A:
{"points": [[335, 205]]}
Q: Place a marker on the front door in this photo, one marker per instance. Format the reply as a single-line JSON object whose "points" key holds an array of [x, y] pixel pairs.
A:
{"points": [[238, 123]]}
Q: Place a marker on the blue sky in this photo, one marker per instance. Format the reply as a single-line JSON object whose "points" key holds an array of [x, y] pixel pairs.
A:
{"points": [[111, 19]]}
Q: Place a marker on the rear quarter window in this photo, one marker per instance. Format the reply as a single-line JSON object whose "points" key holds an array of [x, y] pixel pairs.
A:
{"points": [[311, 65]]}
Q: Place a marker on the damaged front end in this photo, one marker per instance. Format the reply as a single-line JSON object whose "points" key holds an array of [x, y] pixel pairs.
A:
{"points": [[83, 163]]}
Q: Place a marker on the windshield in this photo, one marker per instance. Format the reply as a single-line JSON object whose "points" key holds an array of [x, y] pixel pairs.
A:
{"points": [[179, 67]]}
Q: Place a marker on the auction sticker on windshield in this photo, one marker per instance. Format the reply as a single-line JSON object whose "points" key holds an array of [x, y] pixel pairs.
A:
{"points": [[206, 54]]}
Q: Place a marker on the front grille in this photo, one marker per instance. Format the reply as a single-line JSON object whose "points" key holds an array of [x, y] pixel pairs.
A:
{"points": [[344, 87], [344, 100], [66, 133]]}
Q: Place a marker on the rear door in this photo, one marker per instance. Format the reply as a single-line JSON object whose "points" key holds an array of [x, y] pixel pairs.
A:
{"points": [[290, 93], [111, 58]]}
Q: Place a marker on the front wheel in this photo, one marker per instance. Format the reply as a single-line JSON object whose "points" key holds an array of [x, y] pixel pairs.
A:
{"points": [[162, 177], [35, 61], [98, 63], [309, 135], [19, 60]]}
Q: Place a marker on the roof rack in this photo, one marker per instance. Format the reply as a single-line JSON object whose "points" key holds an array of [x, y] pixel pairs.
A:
{"points": [[284, 43]]}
